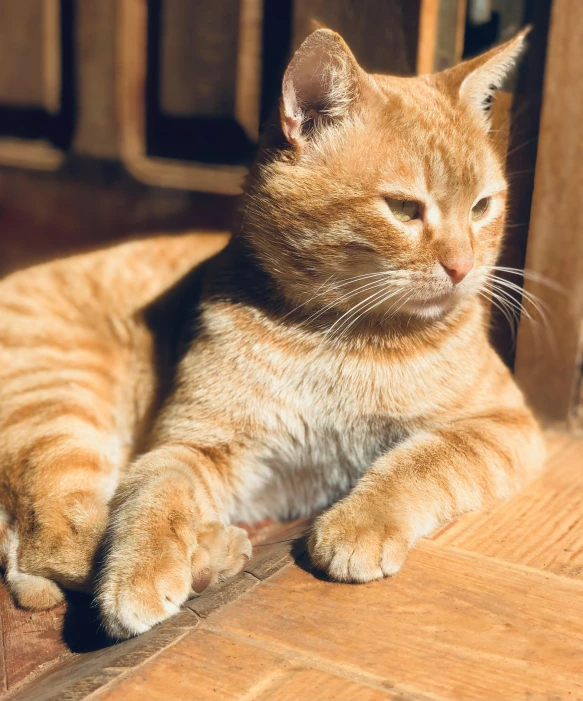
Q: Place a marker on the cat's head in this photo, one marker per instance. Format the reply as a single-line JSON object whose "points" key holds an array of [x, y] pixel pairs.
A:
{"points": [[381, 194]]}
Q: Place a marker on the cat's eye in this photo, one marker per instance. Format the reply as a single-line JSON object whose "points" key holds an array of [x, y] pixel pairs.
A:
{"points": [[403, 210], [480, 208]]}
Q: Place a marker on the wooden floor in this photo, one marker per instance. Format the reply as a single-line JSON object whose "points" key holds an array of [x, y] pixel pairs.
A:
{"points": [[490, 608]]}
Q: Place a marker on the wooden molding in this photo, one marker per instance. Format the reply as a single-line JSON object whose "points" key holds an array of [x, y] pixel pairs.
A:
{"points": [[35, 155], [52, 56], [44, 92], [248, 82], [441, 34], [131, 81]]}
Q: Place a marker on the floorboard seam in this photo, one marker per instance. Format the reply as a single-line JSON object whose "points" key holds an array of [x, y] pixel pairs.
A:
{"points": [[290, 654], [575, 583]]}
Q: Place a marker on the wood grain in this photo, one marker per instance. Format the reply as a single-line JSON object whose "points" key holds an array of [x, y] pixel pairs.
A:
{"points": [[316, 685], [541, 527], [216, 597], [548, 371], [202, 665], [451, 624], [30, 639]]}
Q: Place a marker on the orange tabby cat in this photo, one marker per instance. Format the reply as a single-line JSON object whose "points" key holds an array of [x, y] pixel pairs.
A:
{"points": [[337, 347]]}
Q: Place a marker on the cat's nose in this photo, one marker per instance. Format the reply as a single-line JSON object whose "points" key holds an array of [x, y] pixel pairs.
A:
{"points": [[457, 268]]}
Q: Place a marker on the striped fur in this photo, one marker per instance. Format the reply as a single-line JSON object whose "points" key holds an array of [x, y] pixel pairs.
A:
{"points": [[327, 359]]}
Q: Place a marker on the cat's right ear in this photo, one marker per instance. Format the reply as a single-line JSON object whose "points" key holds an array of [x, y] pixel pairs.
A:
{"points": [[320, 85]]}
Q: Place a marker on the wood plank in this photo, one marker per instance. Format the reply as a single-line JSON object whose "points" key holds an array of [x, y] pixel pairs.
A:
{"points": [[520, 149], [30, 639], [316, 685], [203, 665], [451, 623], [427, 36], [210, 666], [541, 527], [548, 372]]}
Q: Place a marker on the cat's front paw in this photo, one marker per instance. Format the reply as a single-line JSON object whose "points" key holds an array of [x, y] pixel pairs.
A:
{"points": [[350, 545], [143, 585]]}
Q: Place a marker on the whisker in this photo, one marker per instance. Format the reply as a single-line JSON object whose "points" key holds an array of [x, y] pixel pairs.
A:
{"points": [[338, 284], [503, 290], [522, 145], [330, 305], [529, 275], [355, 308], [509, 316], [373, 305], [537, 303], [517, 226]]}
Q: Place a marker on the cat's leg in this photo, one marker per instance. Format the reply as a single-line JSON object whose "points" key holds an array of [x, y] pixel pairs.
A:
{"points": [[29, 590], [63, 479], [426, 481], [168, 536]]}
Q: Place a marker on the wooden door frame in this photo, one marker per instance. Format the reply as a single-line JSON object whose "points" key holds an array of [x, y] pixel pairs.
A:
{"points": [[549, 364]]}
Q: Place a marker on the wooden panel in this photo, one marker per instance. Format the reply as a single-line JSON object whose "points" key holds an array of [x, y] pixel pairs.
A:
{"points": [[541, 527], [30, 54], [211, 60], [199, 57], [381, 33], [451, 624], [96, 133], [548, 371], [131, 79]]}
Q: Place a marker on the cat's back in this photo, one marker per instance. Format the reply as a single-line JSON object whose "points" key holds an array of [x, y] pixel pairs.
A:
{"points": [[74, 345], [119, 279]]}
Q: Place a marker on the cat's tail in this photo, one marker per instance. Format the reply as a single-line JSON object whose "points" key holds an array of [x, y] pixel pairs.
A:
{"points": [[29, 590]]}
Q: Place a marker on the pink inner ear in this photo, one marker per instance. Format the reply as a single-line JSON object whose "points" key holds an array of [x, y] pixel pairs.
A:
{"points": [[291, 121]]}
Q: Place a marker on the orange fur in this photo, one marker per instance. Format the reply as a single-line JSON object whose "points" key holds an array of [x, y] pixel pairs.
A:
{"points": [[334, 352]]}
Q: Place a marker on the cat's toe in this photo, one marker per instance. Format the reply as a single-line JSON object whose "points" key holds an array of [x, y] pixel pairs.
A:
{"points": [[32, 592], [352, 548], [135, 597], [222, 552], [139, 589]]}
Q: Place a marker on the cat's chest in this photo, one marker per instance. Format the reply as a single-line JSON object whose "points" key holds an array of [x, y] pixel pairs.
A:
{"points": [[320, 435], [308, 461]]}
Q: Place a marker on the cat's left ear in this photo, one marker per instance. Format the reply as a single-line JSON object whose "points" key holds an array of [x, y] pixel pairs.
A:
{"points": [[476, 80], [320, 85]]}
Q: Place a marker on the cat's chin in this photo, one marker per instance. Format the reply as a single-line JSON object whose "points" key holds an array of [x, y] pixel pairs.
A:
{"points": [[432, 308]]}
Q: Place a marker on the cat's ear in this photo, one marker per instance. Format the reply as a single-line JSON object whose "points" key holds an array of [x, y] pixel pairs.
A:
{"points": [[320, 85], [476, 80]]}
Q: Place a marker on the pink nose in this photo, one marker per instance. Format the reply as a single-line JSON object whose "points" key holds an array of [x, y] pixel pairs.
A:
{"points": [[457, 268]]}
